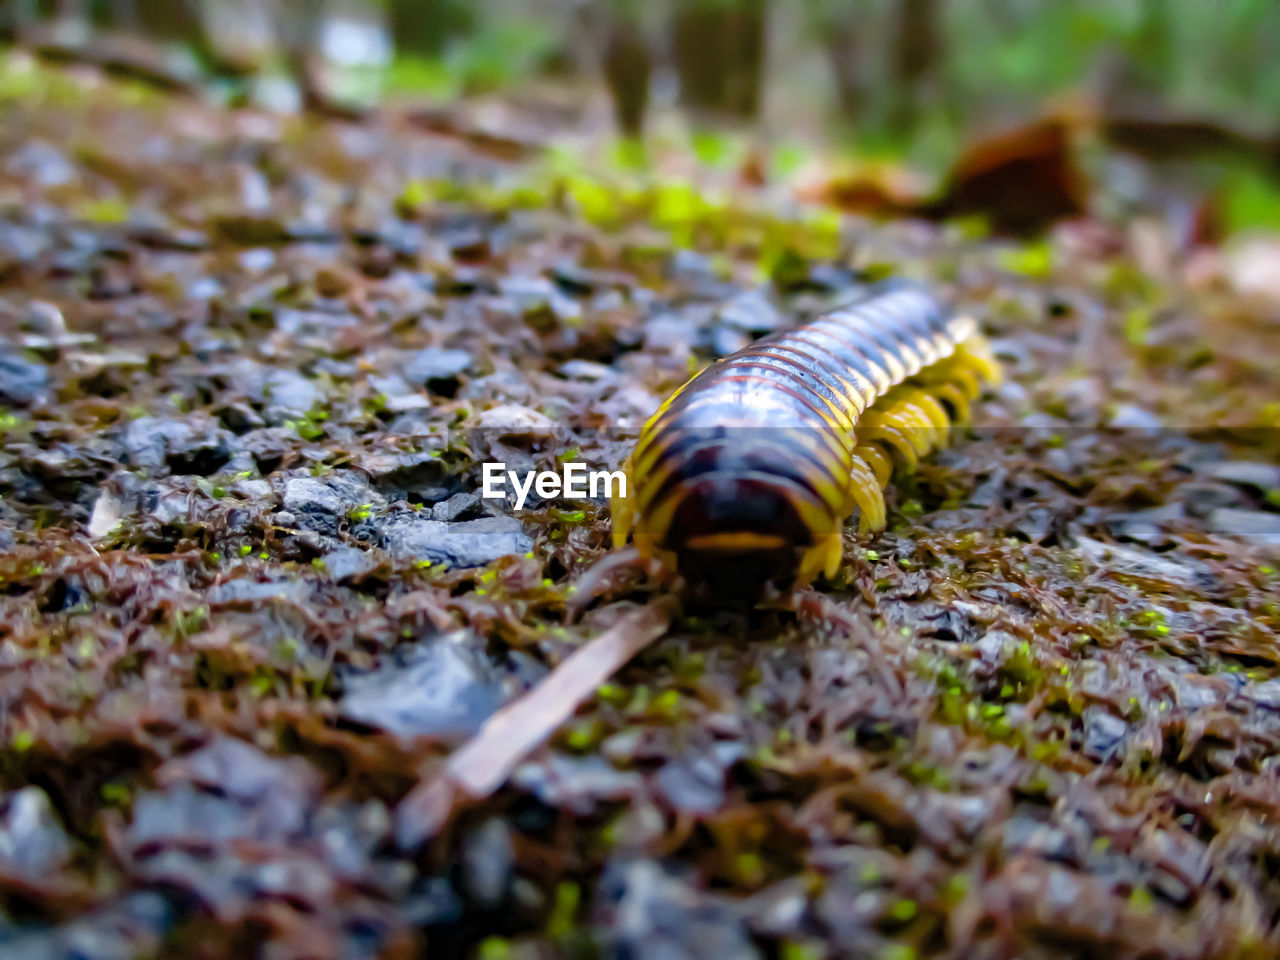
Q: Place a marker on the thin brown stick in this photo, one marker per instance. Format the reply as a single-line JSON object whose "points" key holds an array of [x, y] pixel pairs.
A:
{"points": [[482, 764]]}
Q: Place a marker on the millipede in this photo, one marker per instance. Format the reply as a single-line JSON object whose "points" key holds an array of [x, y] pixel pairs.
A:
{"points": [[748, 472]]}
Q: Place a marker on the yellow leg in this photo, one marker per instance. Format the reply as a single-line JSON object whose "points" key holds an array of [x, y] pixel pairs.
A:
{"points": [[936, 413], [823, 557], [877, 426], [976, 354], [864, 491], [875, 456], [913, 423], [622, 514], [955, 396]]}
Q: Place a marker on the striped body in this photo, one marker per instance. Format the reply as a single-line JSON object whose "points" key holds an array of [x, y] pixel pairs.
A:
{"points": [[748, 471]]}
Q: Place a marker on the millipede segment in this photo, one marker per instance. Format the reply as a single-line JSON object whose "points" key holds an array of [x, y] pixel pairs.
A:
{"points": [[749, 470]]}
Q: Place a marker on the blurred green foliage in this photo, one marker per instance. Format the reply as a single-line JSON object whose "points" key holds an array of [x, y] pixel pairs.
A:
{"points": [[837, 67], [1251, 201], [497, 54], [1206, 55]]}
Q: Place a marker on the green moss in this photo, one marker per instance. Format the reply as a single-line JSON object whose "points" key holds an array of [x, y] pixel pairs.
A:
{"points": [[1046, 750], [594, 202], [1141, 900], [957, 885], [749, 868], [801, 950], [583, 735], [904, 911], [1137, 325], [22, 740], [188, 622], [561, 922], [262, 683], [106, 210], [115, 794], [1033, 260]]}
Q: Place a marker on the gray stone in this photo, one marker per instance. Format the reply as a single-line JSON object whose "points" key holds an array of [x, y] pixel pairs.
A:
{"points": [[200, 448], [1127, 416], [22, 382], [471, 543], [349, 563], [751, 312], [43, 163], [488, 861], [1103, 733], [1242, 473], [1252, 524], [32, 841], [456, 506], [1266, 694], [309, 495], [288, 394], [167, 501], [436, 363], [133, 926], [649, 912], [249, 591], [443, 689], [322, 505]]}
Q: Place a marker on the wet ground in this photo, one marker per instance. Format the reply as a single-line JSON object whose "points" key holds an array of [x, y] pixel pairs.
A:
{"points": [[249, 596]]}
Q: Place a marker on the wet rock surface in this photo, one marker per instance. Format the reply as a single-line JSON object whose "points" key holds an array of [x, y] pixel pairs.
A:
{"points": [[442, 688], [250, 593], [466, 543]]}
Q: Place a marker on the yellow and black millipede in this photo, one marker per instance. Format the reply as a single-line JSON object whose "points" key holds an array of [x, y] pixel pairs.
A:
{"points": [[747, 473]]}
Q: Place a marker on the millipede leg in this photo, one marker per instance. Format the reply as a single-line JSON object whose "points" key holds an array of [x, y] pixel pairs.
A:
{"points": [[623, 516], [865, 491], [875, 456], [966, 378], [880, 428], [823, 557], [976, 354], [913, 423], [954, 396], [936, 413]]}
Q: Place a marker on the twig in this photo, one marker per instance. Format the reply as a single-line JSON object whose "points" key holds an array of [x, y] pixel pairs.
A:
{"points": [[483, 763]]}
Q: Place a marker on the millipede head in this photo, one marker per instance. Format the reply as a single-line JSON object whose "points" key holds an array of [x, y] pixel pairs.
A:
{"points": [[732, 534]]}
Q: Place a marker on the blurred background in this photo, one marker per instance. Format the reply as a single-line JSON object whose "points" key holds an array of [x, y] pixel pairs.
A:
{"points": [[1190, 89]]}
